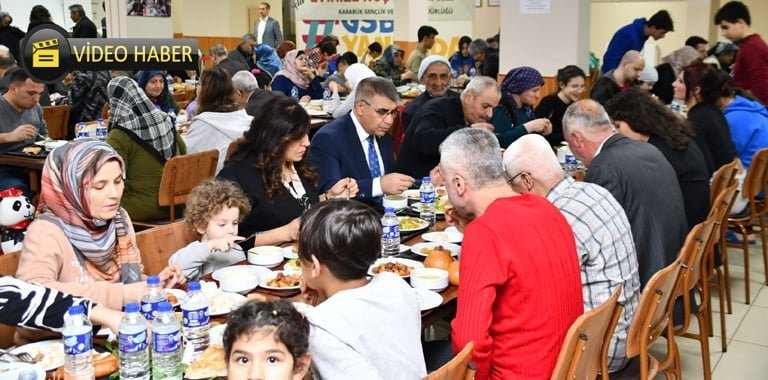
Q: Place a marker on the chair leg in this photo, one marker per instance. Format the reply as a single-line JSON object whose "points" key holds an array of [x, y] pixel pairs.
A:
{"points": [[764, 248], [721, 287], [745, 252], [704, 341], [726, 273]]}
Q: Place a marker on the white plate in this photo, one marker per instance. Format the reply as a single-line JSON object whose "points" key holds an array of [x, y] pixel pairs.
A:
{"points": [[289, 254], [12, 370], [216, 333], [253, 270], [272, 275], [315, 112], [289, 268], [178, 293], [49, 362], [443, 237], [412, 194], [404, 248], [411, 263], [416, 207], [422, 224], [224, 302], [428, 299], [416, 249]]}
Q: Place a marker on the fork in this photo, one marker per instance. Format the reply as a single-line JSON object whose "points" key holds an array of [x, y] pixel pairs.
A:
{"points": [[22, 357]]}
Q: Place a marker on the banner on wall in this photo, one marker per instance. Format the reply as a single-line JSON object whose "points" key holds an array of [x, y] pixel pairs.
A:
{"points": [[451, 10], [344, 10]]}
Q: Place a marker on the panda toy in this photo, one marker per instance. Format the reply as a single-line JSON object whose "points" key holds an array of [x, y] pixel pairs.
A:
{"points": [[16, 212]]}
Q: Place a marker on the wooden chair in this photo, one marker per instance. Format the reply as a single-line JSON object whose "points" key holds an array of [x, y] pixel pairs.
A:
{"points": [[754, 215], [56, 119], [9, 262], [105, 111], [180, 175], [232, 148], [651, 319], [724, 178], [459, 368], [584, 354], [158, 244]]}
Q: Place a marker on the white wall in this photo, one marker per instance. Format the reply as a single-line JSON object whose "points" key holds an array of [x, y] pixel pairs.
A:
{"points": [[20, 9]]}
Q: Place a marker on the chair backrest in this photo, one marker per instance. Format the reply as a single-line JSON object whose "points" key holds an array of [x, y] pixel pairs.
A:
{"points": [[233, 148], [459, 368], [182, 173], [9, 262], [105, 111], [720, 210], [56, 119], [653, 310], [585, 351], [156, 245], [723, 178], [755, 181]]}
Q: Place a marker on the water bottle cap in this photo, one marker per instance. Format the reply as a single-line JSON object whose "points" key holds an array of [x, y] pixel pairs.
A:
{"points": [[426, 179], [164, 307], [76, 309], [100, 120], [387, 210], [192, 286], [153, 280], [81, 123], [132, 307]]}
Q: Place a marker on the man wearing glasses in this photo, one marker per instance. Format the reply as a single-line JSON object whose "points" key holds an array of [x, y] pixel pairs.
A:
{"points": [[359, 145], [435, 75]]}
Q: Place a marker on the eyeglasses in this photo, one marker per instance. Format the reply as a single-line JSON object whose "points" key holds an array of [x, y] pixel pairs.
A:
{"points": [[383, 112], [511, 180]]}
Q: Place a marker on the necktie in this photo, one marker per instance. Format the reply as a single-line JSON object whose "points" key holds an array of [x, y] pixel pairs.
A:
{"points": [[373, 159]]}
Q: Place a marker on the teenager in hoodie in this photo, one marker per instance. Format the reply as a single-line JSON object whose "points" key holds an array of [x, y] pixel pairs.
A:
{"points": [[220, 118]]}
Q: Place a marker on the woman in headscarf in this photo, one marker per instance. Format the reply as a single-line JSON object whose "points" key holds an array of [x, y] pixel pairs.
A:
{"points": [[514, 116], [82, 243], [390, 65], [721, 55], [355, 73], [267, 59], [153, 83], [145, 138], [87, 97], [669, 69], [297, 73]]}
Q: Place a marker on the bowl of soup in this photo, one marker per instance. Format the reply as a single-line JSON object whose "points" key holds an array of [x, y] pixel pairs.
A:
{"points": [[267, 256], [429, 278], [395, 201]]}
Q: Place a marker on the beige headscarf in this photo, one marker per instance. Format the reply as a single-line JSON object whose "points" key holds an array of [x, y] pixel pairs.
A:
{"points": [[681, 58]]}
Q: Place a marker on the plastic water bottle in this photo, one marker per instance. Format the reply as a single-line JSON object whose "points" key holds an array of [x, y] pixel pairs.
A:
{"points": [[678, 106], [295, 93], [166, 344], [169, 80], [78, 341], [152, 297], [172, 114], [101, 130], [134, 353], [390, 233], [327, 94], [195, 319], [568, 160], [82, 131], [472, 72], [427, 193]]}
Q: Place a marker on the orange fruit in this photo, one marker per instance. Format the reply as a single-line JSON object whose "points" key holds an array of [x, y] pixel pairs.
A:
{"points": [[438, 259], [453, 273]]}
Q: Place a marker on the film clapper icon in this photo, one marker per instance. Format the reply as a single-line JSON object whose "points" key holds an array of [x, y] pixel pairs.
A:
{"points": [[45, 53]]}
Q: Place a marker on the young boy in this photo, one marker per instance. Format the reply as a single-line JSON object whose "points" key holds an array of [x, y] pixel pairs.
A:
{"points": [[214, 210], [361, 328]]}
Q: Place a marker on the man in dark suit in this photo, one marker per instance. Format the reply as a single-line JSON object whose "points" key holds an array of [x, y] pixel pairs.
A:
{"points": [[243, 53], [638, 176], [359, 146], [219, 55], [84, 27], [267, 29], [248, 93]]}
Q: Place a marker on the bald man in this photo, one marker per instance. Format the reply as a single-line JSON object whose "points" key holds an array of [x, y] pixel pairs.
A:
{"points": [[603, 234], [638, 176], [620, 78]]}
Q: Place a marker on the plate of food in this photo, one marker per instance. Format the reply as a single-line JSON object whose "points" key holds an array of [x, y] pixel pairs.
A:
{"points": [[424, 249], [440, 203], [245, 270], [291, 252], [224, 302], [292, 265], [398, 266], [12, 370], [410, 224], [443, 237], [412, 194], [427, 299], [175, 296], [210, 365], [404, 248], [48, 354], [281, 280]]}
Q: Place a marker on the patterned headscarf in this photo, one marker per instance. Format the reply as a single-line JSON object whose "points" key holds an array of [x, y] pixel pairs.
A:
{"points": [[680, 58], [291, 70], [104, 247], [518, 81], [132, 110], [389, 55]]}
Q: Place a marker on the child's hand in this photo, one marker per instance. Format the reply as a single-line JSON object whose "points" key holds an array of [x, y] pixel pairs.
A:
{"points": [[224, 244], [311, 296]]}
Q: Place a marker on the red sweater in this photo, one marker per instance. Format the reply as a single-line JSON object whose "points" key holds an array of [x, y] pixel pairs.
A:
{"points": [[520, 288], [751, 68]]}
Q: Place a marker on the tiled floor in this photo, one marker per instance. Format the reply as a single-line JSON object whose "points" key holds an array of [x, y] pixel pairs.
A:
{"points": [[746, 329]]}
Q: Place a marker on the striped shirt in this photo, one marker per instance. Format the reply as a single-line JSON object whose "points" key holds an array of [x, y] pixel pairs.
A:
{"points": [[34, 306], [606, 252]]}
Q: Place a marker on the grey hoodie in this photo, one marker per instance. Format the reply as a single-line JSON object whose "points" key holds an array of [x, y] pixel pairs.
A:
{"points": [[216, 130]]}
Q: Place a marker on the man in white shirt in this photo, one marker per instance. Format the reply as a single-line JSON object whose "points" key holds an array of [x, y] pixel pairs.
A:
{"points": [[267, 29], [359, 145]]}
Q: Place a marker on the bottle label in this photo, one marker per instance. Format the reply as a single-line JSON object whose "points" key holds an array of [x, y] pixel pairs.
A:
{"points": [[78, 344], [427, 196], [131, 343], [101, 131], [195, 318], [391, 232], [570, 159], [82, 134], [149, 310], [166, 343]]}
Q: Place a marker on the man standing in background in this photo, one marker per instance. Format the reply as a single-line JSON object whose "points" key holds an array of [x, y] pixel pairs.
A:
{"points": [[426, 35], [267, 29], [633, 36], [84, 27]]}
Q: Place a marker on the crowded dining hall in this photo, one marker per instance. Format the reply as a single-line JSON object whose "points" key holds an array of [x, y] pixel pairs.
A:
{"points": [[384, 190]]}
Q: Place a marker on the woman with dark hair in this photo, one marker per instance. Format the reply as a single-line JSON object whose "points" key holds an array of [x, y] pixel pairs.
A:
{"points": [[154, 85], [38, 16], [220, 119], [514, 115], [669, 69], [640, 117], [462, 61], [571, 80], [269, 166], [699, 86]]}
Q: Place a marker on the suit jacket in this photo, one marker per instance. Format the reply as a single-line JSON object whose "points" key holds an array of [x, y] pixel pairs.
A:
{"points": [[272, 34], [337, 153], [232, 66], [85, 28], [646, 186]]}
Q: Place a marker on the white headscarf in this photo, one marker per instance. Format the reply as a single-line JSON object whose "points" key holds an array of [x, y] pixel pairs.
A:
{"points": [[355, 73]]}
